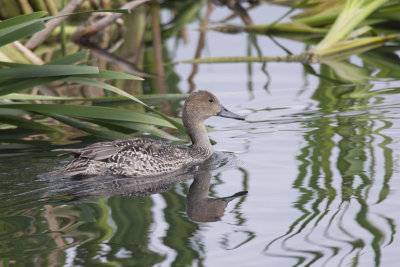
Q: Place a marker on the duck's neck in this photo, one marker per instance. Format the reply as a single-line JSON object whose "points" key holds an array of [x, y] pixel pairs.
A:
{"points": [[198, 134]]}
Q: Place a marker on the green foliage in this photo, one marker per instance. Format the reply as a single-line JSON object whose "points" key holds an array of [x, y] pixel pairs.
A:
{"points": [[337, 29], [352, 15], [103, 122], [342, 28]]}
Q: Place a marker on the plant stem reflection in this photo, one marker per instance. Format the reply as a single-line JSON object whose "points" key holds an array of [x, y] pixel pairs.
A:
{"points": [[343, 143], [127, 221]]}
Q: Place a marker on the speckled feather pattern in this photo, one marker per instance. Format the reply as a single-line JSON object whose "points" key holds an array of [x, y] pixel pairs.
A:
{"points": [[142, 156], [132, 157]]}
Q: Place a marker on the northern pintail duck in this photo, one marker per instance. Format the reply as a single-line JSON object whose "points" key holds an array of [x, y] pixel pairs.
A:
{"points": [[144, 156]]}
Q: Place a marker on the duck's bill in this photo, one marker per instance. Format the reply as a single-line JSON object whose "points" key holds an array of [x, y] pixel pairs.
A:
{"points": [[227, 114]]}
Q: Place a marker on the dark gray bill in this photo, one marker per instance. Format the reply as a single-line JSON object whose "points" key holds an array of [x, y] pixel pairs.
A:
{"points": [[227, 114]]}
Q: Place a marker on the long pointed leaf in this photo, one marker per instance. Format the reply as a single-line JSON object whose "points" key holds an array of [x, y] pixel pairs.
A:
{"points": [[15, 85], [107, 74], [24, 123], [17, 96], [144, 128], [116, 90], [70, 59], [46, 71], [21, 19], [102, 85], [354, 12], [94, 112], [20, 32], [88, 128]]}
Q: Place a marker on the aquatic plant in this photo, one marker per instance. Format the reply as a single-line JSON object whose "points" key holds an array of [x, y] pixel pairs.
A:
{"points": [[341, 28], [42, 109]]}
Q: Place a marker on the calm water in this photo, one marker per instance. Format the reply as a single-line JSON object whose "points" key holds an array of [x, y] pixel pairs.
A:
{"points": [[318, 157]]}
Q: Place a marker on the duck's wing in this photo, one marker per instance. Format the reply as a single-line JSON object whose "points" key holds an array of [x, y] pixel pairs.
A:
{"points": [[143, 151], [104, 151], [98, 151], [130, 157]]}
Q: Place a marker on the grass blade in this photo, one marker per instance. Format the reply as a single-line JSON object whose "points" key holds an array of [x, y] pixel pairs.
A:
{"points": [[92, 112], [24, 123], [19, 32], [144, 128], [89, 128], [29, 97], [21, 19], [46, 71], [354, 12], [116, 90], [108, 74], [70, 59], [15, 85]]}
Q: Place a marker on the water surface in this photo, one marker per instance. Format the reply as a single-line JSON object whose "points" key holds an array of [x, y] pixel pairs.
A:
{"points": [[319, 158]]}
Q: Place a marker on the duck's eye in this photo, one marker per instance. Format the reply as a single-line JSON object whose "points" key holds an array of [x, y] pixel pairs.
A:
{"points": [[210, 100]]}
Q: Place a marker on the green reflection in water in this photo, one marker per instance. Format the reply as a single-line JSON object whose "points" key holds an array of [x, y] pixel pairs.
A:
{"points": [[180, 231], [43, 234], [132, 218], [117, 228], [345, 141]]}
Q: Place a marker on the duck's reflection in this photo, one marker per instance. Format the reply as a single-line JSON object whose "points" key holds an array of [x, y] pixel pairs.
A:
{"points": [[199, 206], [123, 217]]}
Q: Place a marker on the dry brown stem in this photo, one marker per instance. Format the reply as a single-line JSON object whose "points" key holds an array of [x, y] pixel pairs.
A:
{"points": [[32, 57], [157, 47], [38, 38], [107, 20], [200, 46]]}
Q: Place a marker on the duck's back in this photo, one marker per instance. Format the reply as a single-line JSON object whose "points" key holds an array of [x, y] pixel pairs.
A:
{"points": [[130, 157]]}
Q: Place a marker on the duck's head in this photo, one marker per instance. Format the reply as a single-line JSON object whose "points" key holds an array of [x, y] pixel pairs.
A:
{"points": [[201, 105]]}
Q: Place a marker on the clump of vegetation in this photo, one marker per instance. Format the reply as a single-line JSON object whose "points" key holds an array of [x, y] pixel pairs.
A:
{"points": [[336, 28], [48, 78], [38, 93]]}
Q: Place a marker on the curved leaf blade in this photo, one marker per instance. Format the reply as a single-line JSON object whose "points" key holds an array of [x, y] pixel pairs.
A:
{"points": [[94, 112], [21, 19], [20, 32], [46, 71]]}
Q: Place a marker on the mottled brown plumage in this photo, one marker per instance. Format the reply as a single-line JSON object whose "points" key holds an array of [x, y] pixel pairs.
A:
{"points": [[143, 156]]}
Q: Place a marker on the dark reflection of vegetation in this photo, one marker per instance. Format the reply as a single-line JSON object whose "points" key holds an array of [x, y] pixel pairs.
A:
{"points": [[132, 234], [41, 234], [180, 230], [344, 138], [116, 227]]}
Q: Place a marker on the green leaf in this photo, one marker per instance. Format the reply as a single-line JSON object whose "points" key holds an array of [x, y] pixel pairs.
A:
{"points": [[15, 85], [46, 71], [144, 128], [93, 112], [10, 34], [353, 13], [10, 111], [89, 128], [107, 74], [69, 59], [24, 123], [102, 85], [116, 90], [344, 49], [21, 19], [13, 65], [17, 96], [123, 11]]}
